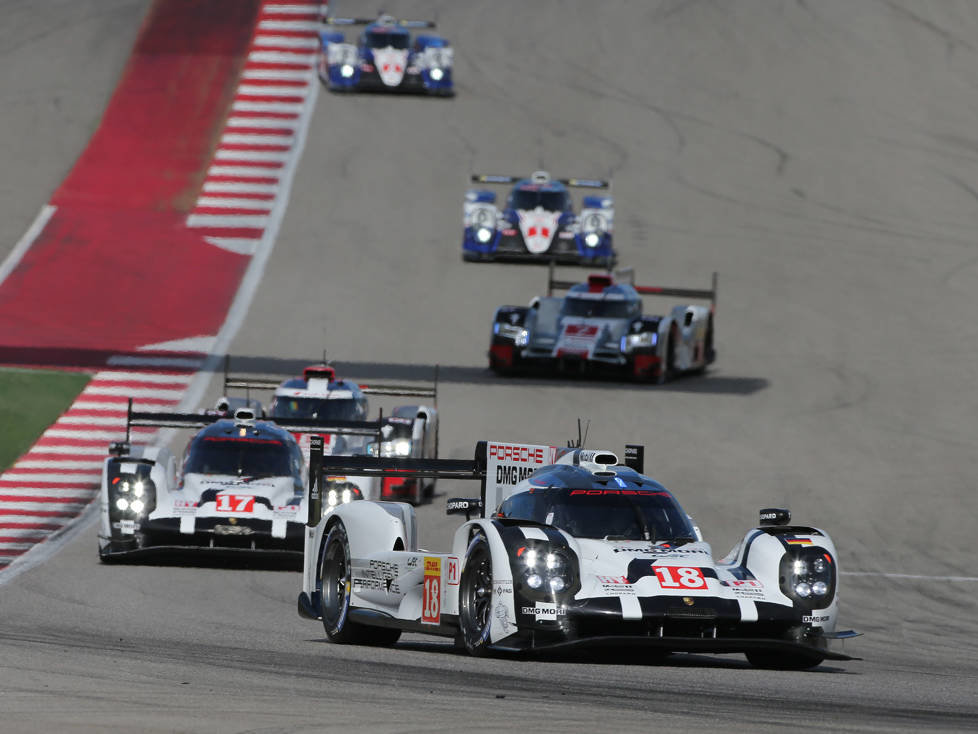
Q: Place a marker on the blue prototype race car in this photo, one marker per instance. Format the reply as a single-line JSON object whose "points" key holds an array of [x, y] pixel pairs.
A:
{"points": [[384, 59], [538, 222]]}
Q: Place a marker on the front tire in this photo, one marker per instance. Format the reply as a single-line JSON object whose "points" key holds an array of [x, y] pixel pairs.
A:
{"points": [[475, 597], [334, 585]]}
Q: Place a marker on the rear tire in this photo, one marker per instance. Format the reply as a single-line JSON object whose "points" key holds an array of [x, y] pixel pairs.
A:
{"points": [[475, 597], [334, 586]]}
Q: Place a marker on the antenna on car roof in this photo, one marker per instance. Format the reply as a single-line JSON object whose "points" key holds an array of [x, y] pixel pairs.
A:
{"points": [[581, 435]]}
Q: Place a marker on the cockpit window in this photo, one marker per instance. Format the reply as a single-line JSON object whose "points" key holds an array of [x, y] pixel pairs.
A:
{"points": [[383, 40], [251, 457], [345, 409], [613, 514], [552, 201], [600, 308]]}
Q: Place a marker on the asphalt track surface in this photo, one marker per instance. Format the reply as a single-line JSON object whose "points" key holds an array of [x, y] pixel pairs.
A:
{"points": [[819, 156]]}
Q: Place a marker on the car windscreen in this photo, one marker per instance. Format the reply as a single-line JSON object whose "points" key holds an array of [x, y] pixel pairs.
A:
{"points": [[616, 514], [553, 201], [600, 308], [345, 409], [383, 40], [250, 457]]}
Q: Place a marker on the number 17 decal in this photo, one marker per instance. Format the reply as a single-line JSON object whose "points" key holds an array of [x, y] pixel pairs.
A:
{"points": [[235, 503], [679, 577]]}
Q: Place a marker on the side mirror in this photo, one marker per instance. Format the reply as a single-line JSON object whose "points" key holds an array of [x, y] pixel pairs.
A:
{"points": [[458, 505], [775, 516]]}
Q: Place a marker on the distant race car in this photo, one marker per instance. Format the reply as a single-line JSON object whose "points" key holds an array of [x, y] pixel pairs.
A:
{"points": [[241, 486], [384, 59], [538, 222], [569, 548], [409, 430], [599, 327]]}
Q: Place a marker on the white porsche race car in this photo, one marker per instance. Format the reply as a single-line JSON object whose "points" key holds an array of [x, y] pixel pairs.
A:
{"points": [[241, 487], [571, 549]]}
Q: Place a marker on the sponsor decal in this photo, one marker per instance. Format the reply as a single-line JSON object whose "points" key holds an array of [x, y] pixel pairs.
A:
{"points": [[502, 617], [565, 235], [184, 507], [503, 587], [543, 610], [286, 511], [453, 569], [517, 454], [512, 474], [615, 585], [431, 591], [745, 588], [413, 561], [663, 551], [798, 541], [815, 618], [127, 527], [235, 503], [679, 577]]}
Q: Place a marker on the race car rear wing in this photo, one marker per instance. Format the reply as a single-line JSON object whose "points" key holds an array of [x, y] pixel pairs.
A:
{"points": [[244, 383], [581, 183], [627, 275], [497, 465], [294, 425], [321, 466], [384, 19]]}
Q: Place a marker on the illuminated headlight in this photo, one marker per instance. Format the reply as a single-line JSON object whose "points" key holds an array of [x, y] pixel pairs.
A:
{"points": [[808, 577], [346, 71], [437, 74], [347, 495], [483, 234], [645, 340], [137, 506], [402, 447], [518, 334], [544, 570], [332, 498], [592, 239], [122, 503], [137, 490]]}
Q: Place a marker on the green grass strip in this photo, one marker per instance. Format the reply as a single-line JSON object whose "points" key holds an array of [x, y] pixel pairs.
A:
{"points": [[30, 401]]}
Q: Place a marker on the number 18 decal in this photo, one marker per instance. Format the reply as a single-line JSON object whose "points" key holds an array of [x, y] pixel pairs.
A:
{"points": [[431, 592], [679, 577]]}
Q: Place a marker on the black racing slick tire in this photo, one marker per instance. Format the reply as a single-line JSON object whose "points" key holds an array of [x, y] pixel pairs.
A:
{"points": [[782, 661], [475, 597], [334, 584]]}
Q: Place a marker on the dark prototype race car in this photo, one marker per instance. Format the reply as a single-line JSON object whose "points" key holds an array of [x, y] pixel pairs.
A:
{"points": [[538, 222], [384, 58], [569, 548], [599, 327]]}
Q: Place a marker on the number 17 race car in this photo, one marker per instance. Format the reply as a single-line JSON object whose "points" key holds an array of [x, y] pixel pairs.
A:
{"points": [[569, 548]]}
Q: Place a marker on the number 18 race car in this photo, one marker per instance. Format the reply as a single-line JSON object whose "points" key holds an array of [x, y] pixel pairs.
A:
{"points": [[599, 327], [241, 487], [570, 549], [538, 222], [384, 59]]}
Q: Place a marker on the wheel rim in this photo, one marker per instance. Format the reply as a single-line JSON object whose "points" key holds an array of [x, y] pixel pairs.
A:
{"points": [[477, 597], [335, 584]]}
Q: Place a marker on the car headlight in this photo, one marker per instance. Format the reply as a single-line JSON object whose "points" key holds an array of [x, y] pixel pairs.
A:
{"points": [[544, 570], [808, 577], [592, 239], [131, 496], [402, 447], [437, 74], [483, 234], [518, 334], [346, 71], [644, 340]]}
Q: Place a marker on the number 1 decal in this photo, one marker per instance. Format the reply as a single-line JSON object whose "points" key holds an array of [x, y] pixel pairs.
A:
{"points": [[679, 577]]}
